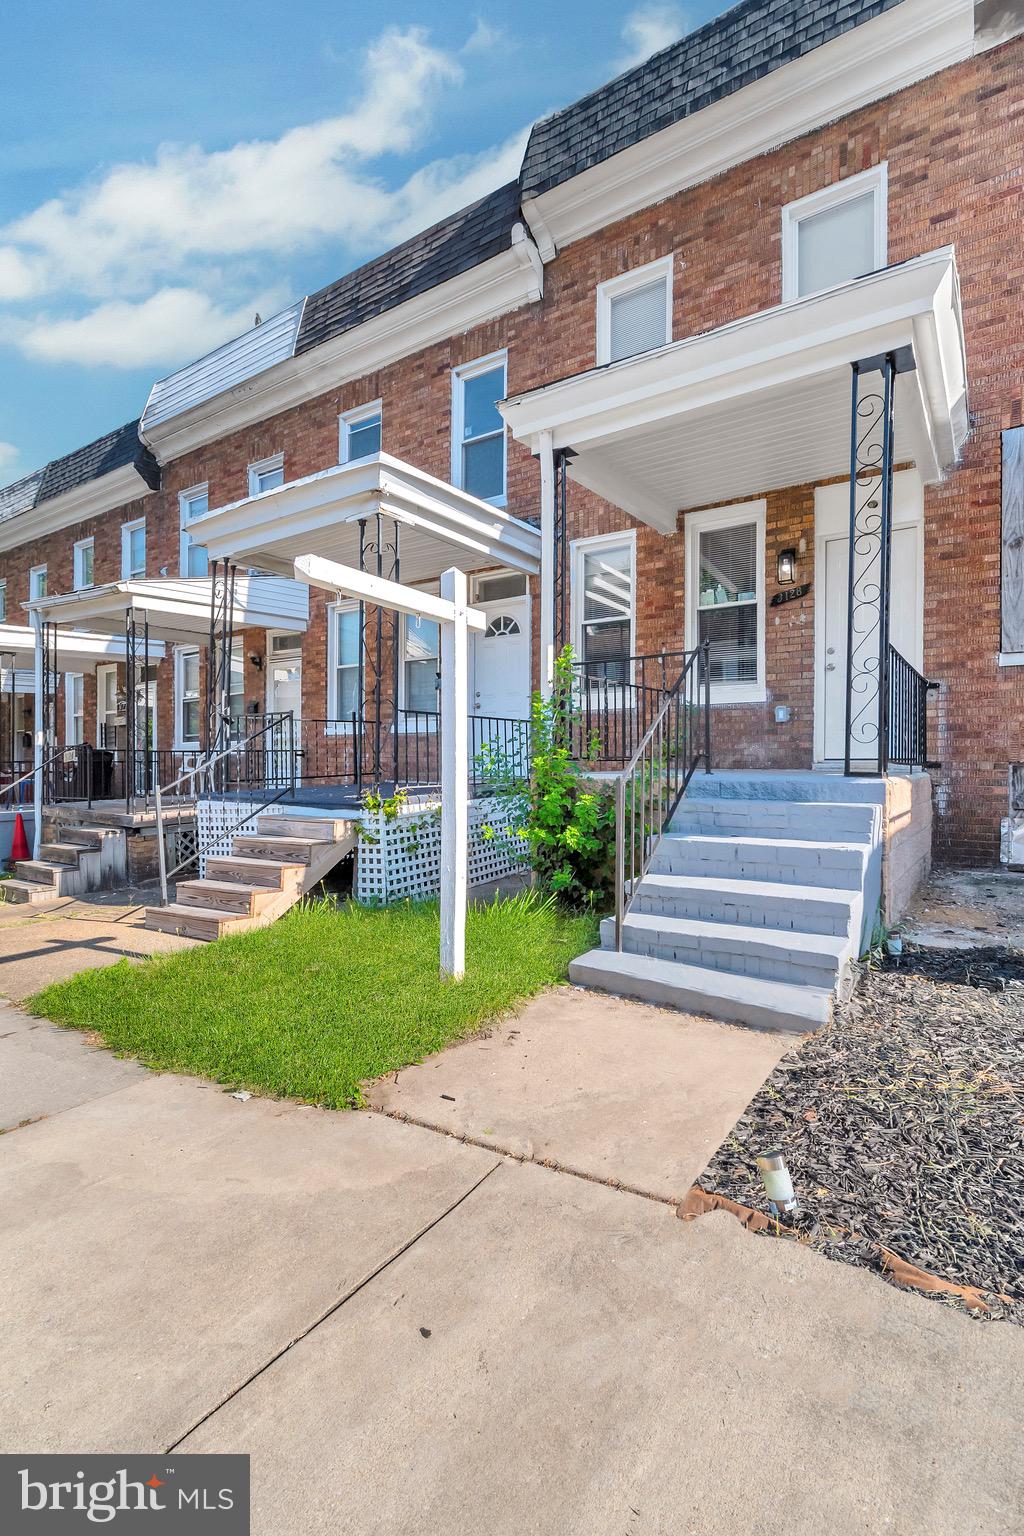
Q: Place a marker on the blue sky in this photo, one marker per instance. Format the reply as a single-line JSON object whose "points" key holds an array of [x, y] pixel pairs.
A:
{"points": [[165, 173]]}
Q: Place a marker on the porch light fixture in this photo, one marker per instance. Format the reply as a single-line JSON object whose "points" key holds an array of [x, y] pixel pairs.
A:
{"points": [[787, 567], [778, 1185], [256, 660]]}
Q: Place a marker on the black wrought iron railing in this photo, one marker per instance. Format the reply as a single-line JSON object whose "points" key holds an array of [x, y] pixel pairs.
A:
{"points": [[907, 711], [617, 700], [650, 787], [338, 751]]}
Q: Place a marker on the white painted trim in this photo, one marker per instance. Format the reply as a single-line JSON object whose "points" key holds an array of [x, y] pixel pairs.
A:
{"points": [[578, 549], [127, 529], [265, 466], [479, 365], [454, 774], [338, 727], [627, 282], [346, 581], [697, 523], [35, 571], [184, 522], [182, 743], [487, 291], [74, 506], [872, 61], [69, 713], [874, 181], [3, 599], [1010, 659], [108, 669], [77, 561], [356, 418]]}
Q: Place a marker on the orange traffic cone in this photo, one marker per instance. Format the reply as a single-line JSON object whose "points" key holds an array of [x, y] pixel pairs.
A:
{"points": [[19, 847]]}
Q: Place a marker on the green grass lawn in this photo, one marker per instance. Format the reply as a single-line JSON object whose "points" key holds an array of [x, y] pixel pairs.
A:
{"points": [[323, 1000]]}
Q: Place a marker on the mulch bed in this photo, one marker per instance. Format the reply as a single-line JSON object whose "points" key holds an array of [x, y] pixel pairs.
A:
{"points": [[903, 1124]]}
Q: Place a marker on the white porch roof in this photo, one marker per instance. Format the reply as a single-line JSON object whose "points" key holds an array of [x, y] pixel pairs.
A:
{"points": [[76, 652], [441, 527], [177, 609], [764, 402]]}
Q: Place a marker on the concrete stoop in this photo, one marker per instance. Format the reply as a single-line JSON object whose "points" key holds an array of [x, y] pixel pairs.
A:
{"points": [[759, 898]]}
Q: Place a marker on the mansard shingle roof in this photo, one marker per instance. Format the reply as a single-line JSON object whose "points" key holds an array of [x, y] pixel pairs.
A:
{"points": [[111, 451], [746, 43], [455, 245]]}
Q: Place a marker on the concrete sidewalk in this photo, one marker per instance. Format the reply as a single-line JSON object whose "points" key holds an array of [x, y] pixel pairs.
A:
{"points": [[39, 945], [406, 1332]]}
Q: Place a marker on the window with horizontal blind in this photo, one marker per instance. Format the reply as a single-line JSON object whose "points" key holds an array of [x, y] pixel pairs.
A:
{"points": [[634, 312], [603, 586], [725, 597]]}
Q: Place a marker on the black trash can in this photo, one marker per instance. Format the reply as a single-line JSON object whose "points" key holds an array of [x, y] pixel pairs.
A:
{"points": [[102, 773]]}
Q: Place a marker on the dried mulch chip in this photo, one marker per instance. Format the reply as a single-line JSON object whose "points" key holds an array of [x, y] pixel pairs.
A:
{"points": [[902, 1124]]}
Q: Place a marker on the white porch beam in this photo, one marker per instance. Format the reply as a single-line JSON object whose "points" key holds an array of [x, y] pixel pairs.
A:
{"points": [[346, 581], [546, 452], [454, 775]]}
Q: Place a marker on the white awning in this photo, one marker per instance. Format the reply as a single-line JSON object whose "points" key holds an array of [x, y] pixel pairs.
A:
{"points": [[178, 609], [76, 652], [764, 402], [441, 527]]}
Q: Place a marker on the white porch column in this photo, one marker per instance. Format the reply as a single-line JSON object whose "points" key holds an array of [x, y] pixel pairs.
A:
{"points": [[38, 735], [454, 776], [547, 563]]}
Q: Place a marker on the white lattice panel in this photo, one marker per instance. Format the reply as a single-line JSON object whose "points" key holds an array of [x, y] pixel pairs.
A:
{"points": [[401, 857], [217, 821]]}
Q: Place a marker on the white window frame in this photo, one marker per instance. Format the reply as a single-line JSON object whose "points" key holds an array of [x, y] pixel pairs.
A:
{"points": [[185, 537], [626, 282], [874, 180], [727, 517], [339, 727], [34, 572], [109, 669], [183, 743], [349, 419], [3, 600], [127, 529], [264, 467], [69, 710], [578, 548], [459, 375], [78, 557], [403, 701]]}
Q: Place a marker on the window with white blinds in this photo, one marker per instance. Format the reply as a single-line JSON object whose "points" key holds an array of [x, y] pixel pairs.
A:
{"points": [[725, 596], [634, 312]]}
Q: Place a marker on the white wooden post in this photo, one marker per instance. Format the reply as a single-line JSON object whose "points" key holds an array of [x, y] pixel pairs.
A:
{"points": [[39, 735], [454, 776], [547, 564]]}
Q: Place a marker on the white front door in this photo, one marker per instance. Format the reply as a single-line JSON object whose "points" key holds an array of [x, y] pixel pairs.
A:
{"points": [[501, 661], [284, 683], [904, 627]]}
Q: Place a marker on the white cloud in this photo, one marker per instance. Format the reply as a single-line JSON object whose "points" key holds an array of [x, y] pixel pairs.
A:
{"points": [[170, 324], [649, 28], [150, 262], [8, 455], [486, 37]]}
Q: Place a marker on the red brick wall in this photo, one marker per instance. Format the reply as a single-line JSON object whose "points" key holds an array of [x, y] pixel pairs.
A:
{"points": [[953, 149]]}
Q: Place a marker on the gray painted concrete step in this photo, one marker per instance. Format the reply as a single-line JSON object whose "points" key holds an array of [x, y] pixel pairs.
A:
{"points": [[767, 784], [788, 861], [765, 903], [807, 959], [817, 822], [697, 989]]}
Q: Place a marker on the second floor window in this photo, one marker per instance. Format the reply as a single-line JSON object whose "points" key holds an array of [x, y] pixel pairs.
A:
{"points": [[193, 504], [84, 555], [835, 235], [478, 432], [359, 433], [634, 311], [133, 550], [36, 583], [266, 475], [3, 602]]}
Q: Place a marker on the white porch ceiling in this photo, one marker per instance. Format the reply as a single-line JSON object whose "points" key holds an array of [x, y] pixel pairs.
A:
{"points": [[320, 514], [177, 610], [76, 652], [762, 403]]}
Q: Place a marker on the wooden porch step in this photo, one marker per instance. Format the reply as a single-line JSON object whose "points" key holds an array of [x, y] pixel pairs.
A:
{"points": [[61, 853], [198, 922], [39, 871], [317, 828], [27, 892], [225, 896], [269, 874], [289, 850], [82, 837]]}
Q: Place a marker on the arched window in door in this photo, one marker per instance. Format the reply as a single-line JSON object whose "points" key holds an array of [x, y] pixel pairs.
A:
{"points": [[501, 624]]}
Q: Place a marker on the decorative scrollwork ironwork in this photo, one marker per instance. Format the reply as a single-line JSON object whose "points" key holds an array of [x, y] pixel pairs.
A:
{"points": [[380, 638], [871, 470]]}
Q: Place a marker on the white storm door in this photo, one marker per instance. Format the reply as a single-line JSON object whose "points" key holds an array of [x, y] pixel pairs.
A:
{"points": [[904, 627], [501, 661]]}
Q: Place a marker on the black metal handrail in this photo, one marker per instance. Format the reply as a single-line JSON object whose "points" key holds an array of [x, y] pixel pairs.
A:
{"points": [[333, 751], [653, 782], [907, 713]]}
